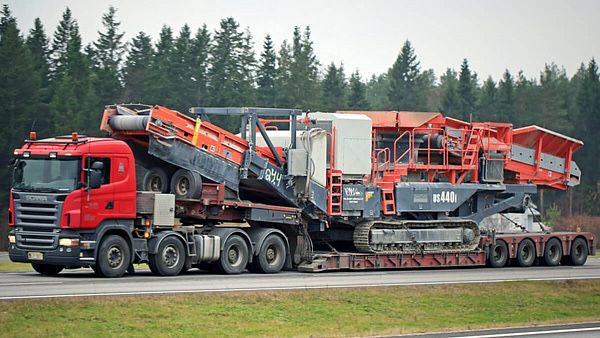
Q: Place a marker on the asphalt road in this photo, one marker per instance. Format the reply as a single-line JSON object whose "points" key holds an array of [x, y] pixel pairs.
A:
{"points": [[583, 330], [82, 282]]}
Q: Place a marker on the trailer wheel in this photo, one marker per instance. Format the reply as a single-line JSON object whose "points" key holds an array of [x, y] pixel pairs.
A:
{"points": [[234, 256], [186, 184], [169, 258], [114, 257], [157, 180], [46, 269], [526, 253], [498, 255], [553, 252], [271, 257], [579, 252]]}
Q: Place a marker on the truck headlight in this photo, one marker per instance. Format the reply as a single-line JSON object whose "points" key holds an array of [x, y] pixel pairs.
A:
{"points": [[68, 242], [12, 239]]}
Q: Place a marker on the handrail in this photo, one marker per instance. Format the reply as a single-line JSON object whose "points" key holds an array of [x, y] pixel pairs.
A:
{"points": [[396, 159]]}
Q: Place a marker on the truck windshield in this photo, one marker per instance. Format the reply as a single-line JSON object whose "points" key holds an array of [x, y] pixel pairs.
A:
{"points": [[46, 175]]}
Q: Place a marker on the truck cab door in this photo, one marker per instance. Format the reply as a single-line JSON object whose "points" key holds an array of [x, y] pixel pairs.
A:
{"points": [[98, 203]]}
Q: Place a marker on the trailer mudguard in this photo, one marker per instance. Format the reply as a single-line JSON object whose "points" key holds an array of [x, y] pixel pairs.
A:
{"points": [[258, 235], [225, 233]]}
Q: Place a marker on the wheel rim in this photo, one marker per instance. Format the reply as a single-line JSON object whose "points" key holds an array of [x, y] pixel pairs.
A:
{"points": [[233, 256], [183, 186], [170, 256], [114, 257], [271, 254], [578, 251], [526, 253], [553, 252], [498, 253], [155, 184]]}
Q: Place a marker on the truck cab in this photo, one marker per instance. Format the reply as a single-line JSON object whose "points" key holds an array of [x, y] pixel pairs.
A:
{"points": [[67, 193]]}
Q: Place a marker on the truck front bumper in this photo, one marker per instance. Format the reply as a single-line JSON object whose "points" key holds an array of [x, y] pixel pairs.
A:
{"points": [[68, 256]]}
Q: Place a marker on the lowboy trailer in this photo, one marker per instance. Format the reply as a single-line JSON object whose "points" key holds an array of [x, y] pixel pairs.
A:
{"points": [[292, 190]]}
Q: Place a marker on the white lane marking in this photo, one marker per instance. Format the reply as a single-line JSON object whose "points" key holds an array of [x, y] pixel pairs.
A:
{"points": [[531, 333], [279, 288], [29, 283]]}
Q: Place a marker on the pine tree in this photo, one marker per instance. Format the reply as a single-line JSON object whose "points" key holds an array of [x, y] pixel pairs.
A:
{"points": [[106, 55], [427, 90], [450, 103], [231, 66], [404, 90], [506, 98], [182, 71], [527, 101], [487, 104], [60, 42], [158, 81], [357, 96], [267, 74], [377, 92], [19, 85], [333, 89], [247, 63], [467, 86], [554, 97], [74, 105], [200, 53], [283, 80], [136, 68], [588, 101], [304, 71], [37, 42]]}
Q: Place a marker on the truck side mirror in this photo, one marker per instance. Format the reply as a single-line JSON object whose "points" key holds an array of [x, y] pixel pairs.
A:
{"points": [[96, 175]]}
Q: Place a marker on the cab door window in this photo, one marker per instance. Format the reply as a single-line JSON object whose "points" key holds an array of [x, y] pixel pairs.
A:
{"points": [[105, 168]]}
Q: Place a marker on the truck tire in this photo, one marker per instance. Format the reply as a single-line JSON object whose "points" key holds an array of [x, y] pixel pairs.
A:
{"points": [[234, 256], [114, 257], [156, 180], [271, 257], [169, 257], [498, 255], [46, 269], [579, 252], [186, 184], [526, 253], [553, 252]]}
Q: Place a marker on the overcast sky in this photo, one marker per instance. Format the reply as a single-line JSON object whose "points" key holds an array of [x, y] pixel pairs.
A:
{"points": [[367, 35]]}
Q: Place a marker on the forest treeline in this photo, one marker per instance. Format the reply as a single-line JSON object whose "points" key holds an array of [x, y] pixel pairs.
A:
{"points": [[54, 84]]}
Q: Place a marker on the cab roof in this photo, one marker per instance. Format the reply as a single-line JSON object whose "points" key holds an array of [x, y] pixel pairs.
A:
{"points": [[67, 146]]}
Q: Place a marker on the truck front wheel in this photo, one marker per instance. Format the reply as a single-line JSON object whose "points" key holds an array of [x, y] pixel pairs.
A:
{"points": [[114, 257], [169, 258], [47, 270], [234, 256]]}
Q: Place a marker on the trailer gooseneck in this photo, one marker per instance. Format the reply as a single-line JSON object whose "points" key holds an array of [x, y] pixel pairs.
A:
{"points": [[307, 191]]}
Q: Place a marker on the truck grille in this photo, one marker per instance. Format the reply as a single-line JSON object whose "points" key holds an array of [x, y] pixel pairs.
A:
{"points": [[37, 220]]}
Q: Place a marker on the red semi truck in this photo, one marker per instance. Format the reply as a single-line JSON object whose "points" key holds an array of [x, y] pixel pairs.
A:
{"points": [[292, 190]]}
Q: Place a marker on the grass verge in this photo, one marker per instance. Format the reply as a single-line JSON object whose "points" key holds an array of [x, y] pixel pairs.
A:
{"points": [[339, 312], [8, 266]]}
